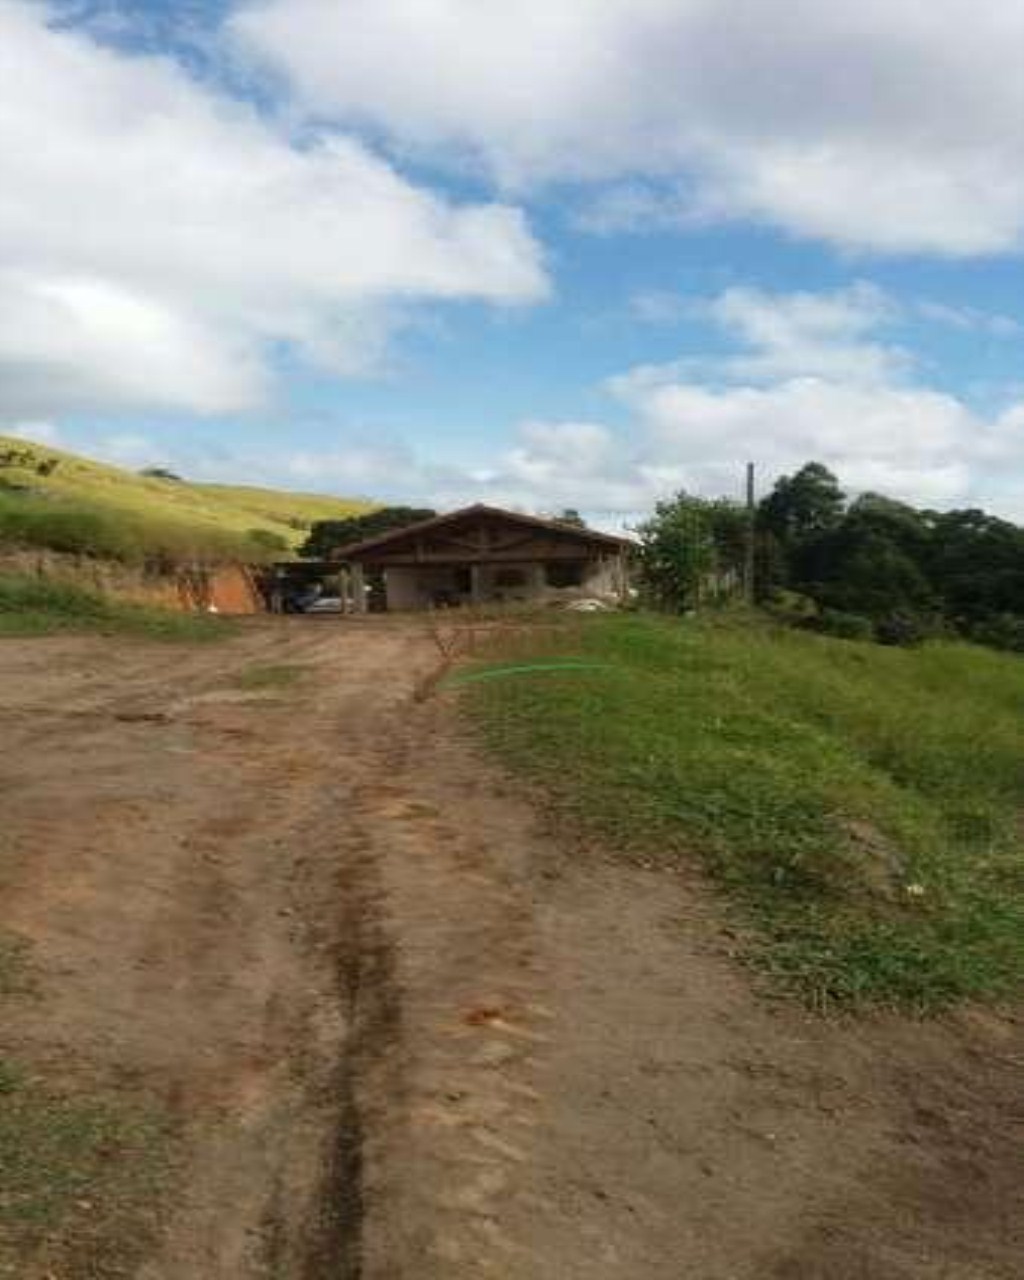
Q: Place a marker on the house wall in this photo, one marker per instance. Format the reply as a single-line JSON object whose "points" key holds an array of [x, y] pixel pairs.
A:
{"points": [[494, 585], [416, 587], [604, 578]]}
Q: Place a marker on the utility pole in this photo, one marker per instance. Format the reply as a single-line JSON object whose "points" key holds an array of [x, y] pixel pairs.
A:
{"points": [[750, 561]]}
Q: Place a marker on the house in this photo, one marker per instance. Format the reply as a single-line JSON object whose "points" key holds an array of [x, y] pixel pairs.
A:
{"points": [[483, 555]]}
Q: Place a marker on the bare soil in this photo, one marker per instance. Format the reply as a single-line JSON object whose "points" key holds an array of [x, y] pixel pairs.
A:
{"points": [[407, 1029]]}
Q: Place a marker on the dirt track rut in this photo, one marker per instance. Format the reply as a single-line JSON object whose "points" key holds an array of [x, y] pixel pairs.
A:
{"points": [[409, 1032]]}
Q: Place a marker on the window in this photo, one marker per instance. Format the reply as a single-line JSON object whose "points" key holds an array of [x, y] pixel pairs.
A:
{"points": [[564, 574]]}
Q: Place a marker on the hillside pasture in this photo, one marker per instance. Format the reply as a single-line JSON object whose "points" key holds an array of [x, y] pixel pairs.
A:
{"points": [[78, 505]]}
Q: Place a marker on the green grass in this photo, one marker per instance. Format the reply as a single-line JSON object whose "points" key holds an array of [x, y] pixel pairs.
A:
{"points": [[270, 676], [280, 509], [86, 506], [860, 807], [32, 606], [79, 1177], [14, 971]]}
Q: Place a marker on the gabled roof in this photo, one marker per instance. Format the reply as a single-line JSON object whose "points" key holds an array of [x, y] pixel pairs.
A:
{"points": [[383, 540]]}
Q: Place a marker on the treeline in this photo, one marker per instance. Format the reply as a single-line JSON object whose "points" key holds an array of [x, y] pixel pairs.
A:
{"points": [[868, 568], [328, 537]]}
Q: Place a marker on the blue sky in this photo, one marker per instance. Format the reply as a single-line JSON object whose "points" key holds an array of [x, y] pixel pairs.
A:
{"points": [[562, 253]]}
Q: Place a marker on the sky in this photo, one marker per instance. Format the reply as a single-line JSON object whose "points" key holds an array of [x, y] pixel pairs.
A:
{"points": [[556, 253]]}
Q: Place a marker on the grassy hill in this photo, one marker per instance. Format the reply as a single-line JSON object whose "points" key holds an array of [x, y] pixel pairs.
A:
{"points": [[79, 504], [860, 806]]}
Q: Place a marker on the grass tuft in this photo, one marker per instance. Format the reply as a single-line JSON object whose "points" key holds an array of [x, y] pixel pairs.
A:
{"points": [[860, 806]]}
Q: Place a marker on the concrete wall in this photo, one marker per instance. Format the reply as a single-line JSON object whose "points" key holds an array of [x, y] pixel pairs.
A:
{"points": [[415, 588], [603, 578]]}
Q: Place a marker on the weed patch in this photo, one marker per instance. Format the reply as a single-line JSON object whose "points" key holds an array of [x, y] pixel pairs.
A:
{"points": [[14, 967], [78, 1178], [860, 807], [270, 676]]}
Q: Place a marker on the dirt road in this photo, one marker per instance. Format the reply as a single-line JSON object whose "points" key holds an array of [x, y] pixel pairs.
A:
{"points": [[406, 1031]]}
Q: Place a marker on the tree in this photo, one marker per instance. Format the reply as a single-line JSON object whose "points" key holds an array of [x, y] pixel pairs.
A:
{"points": [[328, 536], [160, 473], [572, 517], [870, 574], [692, 549], [872, 562], [977, 562], [803, 506]]}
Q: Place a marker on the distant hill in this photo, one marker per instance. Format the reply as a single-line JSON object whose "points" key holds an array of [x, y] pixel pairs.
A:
{"points": [[49, 496]]}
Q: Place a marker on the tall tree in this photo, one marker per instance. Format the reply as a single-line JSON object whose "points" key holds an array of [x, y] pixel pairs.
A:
{"points": [[803, 505]]}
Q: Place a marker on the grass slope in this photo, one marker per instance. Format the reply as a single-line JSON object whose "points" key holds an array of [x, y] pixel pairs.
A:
{"points": [[150, 515], [860, 806], [275, 509], [32, 607]]}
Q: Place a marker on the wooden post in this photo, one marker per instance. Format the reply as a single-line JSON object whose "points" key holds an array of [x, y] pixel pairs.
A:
{"points": [[358, 588], [475, 588], [622, 577], [750, 549]]}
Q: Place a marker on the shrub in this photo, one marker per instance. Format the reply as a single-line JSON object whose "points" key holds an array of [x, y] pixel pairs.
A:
{"points": [[268, 540], [791, 607], [844, 626], [903, 630], [1001, 631]]}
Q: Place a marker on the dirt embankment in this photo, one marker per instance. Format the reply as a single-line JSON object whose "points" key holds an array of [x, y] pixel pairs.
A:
{"points": [[405, 1030], [228, 588]]}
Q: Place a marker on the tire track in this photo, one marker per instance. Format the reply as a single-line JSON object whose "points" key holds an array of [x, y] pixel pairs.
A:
{"points": [[451, 1119]]}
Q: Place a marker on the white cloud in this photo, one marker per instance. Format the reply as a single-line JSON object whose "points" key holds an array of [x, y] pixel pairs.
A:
{"points": [[810, 333], [814, 379], [38, 432], [970, 318], [158, 239], [909, 442], [659, 307], [887, 125], [811, 377], [829, 335]]}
